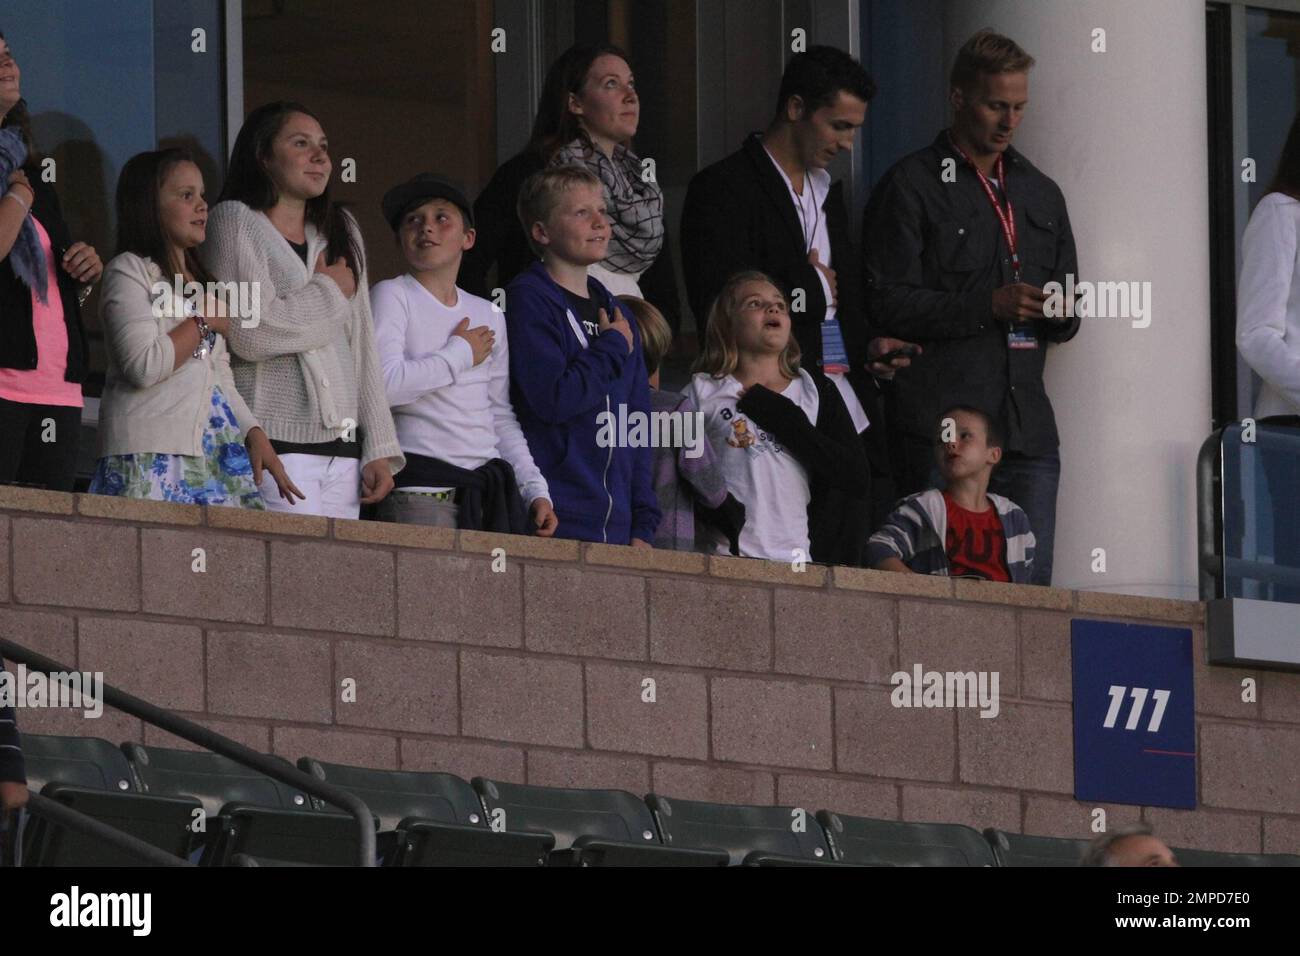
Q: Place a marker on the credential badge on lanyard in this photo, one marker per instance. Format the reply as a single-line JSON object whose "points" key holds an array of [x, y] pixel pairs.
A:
{"points": [[835, 357], [1018, 337], [1006, 217]]}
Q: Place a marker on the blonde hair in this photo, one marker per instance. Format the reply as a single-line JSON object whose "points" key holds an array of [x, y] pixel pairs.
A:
{"points": [[656, 333], [720, 354], [988, 52], [542, 191]]}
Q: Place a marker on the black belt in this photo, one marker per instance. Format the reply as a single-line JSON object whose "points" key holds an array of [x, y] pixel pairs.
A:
{"points": [[338, 448]]}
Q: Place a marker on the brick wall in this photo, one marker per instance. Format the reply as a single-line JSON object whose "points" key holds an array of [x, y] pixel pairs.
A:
{"points": [[771, 685]]}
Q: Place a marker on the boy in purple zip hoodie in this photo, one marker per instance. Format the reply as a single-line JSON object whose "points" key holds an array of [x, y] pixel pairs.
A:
{"points": [[574, 355]]}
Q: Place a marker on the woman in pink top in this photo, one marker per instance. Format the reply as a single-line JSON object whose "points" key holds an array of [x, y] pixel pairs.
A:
{"points": [[43, 355]]}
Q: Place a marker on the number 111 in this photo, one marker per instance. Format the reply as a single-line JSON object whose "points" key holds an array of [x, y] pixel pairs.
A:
{"points": [[1139, 694]]}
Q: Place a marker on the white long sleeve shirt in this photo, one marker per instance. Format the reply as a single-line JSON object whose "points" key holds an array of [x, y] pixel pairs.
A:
{"points": [[444, 406], [1268, 303], [817, 182]]}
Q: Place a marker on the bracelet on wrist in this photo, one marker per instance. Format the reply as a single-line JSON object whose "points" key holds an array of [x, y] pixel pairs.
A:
{"points": [[205, 337], [21, 201]]}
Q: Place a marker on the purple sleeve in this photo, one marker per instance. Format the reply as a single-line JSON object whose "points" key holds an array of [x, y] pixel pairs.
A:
{"points": [[702, 472], [645, 503]]}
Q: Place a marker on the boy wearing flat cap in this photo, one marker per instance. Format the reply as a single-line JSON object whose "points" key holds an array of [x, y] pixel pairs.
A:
{"points": [[447, 373]]}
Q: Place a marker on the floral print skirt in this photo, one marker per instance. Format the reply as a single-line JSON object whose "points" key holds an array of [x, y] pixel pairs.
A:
{"points": [[223, 475]]}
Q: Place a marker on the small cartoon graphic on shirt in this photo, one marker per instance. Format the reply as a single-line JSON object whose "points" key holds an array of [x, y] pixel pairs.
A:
{"points": [[757, 441], [741, 433], [741, 436], [591, 328]]}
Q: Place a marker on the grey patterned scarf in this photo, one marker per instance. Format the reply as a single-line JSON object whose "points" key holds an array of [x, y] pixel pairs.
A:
{"points": [[27, 257], [636, 207]]}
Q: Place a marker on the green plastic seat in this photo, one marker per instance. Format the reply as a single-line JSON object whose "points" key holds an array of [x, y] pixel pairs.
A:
{"points": [[590, 827], [749, 835], [868, 842], [92, 776], [431, 819], [1016, 849], [246, 811]]}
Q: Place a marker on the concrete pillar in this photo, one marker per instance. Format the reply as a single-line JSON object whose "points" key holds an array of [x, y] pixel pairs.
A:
{"points": [[1123, 132]]}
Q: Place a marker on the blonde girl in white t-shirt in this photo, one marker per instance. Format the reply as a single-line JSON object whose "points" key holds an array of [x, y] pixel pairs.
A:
{"points": [[787, 445]]}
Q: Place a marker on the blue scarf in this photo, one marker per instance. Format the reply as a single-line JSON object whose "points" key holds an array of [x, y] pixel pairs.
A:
{"points": [[27, 257]]}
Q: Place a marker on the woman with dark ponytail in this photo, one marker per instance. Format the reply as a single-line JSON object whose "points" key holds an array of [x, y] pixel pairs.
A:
{"points": [[305, 360]]}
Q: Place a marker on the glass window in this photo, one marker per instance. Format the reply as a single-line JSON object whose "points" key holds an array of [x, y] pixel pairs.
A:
{"points": [[1261, 524], [1272, 88], [1272, 95], [104, 82]]}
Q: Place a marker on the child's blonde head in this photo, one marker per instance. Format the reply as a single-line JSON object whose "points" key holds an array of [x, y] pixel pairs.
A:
{"points": [[656, 333], [721, 353], [542, 192]]}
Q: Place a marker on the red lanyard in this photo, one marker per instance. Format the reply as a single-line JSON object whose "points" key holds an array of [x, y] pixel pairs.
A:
{"points": [[1007, 218]]}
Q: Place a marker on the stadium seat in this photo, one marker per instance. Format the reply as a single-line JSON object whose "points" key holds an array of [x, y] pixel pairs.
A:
{"points": [[753, 836], [246, 811], [590, 827], [1212, 858], [431, 819], [869, 842], [92, 776], [1015, 849]]}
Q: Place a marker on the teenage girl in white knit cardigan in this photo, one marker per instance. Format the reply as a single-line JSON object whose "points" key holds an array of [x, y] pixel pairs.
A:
{"points": [[305, 361]]}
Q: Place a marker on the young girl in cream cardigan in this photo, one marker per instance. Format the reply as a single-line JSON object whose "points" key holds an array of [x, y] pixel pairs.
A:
{"points": [[172, 425]]}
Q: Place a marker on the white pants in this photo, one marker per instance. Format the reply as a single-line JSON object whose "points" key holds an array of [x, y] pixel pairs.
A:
{"points": [[332, 486]]}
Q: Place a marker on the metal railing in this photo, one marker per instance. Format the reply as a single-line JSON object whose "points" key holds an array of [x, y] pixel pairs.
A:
{"points": [[1216, 516], [1209, 511], [195, 734]]}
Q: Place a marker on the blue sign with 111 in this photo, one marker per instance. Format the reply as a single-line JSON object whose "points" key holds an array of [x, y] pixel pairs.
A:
{"points": [[1134, 714]]}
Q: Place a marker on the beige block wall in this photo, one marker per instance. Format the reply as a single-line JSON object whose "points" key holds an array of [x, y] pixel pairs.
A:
{"points": [[771, 685]]}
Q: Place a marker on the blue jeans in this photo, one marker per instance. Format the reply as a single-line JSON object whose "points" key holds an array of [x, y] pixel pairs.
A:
{"points": [[1031, 482]]}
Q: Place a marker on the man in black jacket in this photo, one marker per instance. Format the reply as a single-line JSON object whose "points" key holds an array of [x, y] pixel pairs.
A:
{"points": [[771, 206], [949, 268]]}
